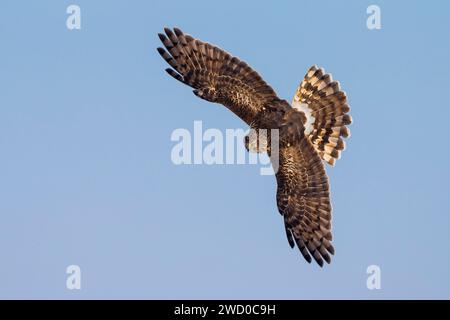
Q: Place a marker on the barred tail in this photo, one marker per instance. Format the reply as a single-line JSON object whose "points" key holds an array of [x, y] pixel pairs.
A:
{"points": [[325, 107]]}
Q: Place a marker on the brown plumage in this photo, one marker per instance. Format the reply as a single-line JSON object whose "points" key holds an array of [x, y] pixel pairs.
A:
{"points": [[328, 107], [312, 130], [303, 192]]}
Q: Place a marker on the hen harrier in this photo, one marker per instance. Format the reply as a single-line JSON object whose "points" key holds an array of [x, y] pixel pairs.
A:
{"points": [[311, 130]]}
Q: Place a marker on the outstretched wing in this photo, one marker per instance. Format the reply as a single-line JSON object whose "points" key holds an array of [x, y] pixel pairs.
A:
{"points": [[303, 195], [215, 75], [325, 106]]}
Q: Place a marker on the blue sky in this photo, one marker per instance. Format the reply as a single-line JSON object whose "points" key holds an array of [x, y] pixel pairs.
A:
{"points": [[86, 176]]}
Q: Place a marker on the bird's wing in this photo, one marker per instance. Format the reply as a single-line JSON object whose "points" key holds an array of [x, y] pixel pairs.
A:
{"points": [[303, 195], [325, 106], [215, 75]]}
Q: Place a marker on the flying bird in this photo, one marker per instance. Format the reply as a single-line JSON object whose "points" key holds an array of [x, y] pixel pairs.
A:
{"points": [[311, 130]]}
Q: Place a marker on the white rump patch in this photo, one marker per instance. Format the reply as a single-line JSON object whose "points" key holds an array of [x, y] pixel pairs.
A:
{"points": [[303, 107]]}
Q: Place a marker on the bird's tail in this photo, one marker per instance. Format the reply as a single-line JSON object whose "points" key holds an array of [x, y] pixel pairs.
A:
{"points": [[325, 107]]}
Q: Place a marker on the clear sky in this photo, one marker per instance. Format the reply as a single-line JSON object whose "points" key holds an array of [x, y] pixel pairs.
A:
{"points": [[86, 176]]}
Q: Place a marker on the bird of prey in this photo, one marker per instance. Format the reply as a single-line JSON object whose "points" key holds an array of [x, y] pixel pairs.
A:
{"points": [[311, 130]]}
